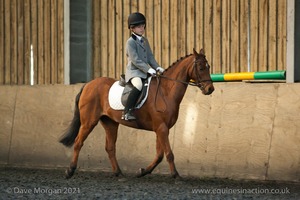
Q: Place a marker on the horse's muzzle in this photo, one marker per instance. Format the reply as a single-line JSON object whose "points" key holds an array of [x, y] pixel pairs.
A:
{"points": [[208, 89]]}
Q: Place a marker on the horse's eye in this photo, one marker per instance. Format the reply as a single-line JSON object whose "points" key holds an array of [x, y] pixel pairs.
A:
{"points": [[202, 68]]}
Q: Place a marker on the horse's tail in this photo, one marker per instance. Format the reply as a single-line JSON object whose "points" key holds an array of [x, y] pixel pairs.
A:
{"points": [[68, 138]]}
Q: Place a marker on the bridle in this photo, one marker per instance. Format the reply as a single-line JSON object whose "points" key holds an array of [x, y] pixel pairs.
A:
{"points": [[198, 82]]}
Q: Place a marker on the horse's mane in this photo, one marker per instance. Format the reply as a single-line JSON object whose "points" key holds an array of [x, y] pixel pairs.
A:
{"points": [[174, 63]]}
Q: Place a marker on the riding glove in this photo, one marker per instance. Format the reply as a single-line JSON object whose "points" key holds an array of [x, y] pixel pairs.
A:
{"points": [[160, 69], [152, 71]]}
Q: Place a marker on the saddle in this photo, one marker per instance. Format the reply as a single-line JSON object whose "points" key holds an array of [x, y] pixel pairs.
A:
{"points": [[120, 90], [128, 87]]}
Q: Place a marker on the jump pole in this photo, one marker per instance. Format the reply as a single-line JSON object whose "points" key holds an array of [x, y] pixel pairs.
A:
{"points": [[269, 75]]}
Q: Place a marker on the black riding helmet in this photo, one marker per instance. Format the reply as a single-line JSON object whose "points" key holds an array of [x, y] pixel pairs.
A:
{"points": [[135, 19]]}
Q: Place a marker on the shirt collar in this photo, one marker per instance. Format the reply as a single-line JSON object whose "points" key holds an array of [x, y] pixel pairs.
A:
{"points": [[139, 37]]}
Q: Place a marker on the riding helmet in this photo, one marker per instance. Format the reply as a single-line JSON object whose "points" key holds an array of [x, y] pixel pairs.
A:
{"points": [[136, 19]]}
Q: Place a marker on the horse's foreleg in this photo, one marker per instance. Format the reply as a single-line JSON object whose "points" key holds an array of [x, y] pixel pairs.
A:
{"points": [[110, 147], [170, 159], [163, 137], [158, 158], [82, 135], [111, 129]]}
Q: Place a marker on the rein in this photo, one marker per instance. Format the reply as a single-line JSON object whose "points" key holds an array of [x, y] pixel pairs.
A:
{"points": [[191, 83]]}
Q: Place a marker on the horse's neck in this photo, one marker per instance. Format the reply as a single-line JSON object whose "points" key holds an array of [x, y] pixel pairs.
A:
{"points": [[179, 70], [175, 88]]}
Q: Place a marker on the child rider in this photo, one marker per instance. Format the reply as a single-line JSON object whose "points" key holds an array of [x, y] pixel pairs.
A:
{"points": [[140, 61]]}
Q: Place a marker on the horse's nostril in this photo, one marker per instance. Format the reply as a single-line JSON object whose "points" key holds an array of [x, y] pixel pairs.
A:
{"points": [[211, 89]]}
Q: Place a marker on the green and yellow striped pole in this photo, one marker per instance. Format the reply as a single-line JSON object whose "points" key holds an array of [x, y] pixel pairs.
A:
{"points": [[269, 75]]}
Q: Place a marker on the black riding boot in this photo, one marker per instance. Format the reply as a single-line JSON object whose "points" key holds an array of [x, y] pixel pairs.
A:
{"points": [[131, 101]]}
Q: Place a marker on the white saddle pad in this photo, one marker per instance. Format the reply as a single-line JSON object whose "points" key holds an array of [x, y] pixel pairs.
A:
{"points": [[115, 94]]}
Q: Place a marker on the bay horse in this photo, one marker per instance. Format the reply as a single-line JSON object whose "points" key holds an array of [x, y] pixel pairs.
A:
{"points": [[159, 113]]}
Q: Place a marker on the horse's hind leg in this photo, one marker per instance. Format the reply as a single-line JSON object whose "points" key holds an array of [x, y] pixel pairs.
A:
{"points": [[111, 129], [84, 131]]}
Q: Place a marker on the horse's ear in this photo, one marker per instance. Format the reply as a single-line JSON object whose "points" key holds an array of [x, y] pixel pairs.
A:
{"points": [[195, 52], [201, 51]]}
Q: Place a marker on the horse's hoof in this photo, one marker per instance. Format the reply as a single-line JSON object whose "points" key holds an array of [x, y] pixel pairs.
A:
{"points": [[141, 173], [69, 173], [176, 176], [118, 174]]}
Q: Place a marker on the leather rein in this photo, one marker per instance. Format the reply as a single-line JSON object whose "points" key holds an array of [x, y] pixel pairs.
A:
{"points": [[191, 83]]}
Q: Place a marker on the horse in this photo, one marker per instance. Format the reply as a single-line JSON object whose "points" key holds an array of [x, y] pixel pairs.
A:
{"points": [[159, 112]]}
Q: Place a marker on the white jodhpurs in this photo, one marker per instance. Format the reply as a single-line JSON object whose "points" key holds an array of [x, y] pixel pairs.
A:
{"points": [[137, 82]]}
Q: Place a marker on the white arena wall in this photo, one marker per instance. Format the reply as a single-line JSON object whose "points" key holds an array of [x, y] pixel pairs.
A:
{"points": [[241, 131]]}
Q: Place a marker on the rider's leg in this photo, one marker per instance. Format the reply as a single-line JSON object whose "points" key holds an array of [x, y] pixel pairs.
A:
{"points": [[132, 98]]}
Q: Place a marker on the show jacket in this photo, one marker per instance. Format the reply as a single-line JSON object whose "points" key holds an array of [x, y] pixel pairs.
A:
{"points": [[140, 58]]}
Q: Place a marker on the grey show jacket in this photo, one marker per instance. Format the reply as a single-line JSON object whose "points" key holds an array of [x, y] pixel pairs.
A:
{"points": [[140, 58]]}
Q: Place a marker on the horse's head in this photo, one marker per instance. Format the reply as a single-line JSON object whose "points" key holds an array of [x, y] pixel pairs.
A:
{"points": [[201, 73]]}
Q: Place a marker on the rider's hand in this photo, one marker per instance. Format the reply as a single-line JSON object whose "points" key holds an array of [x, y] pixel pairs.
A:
{"points": [[152, 72], [160, 70]]}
